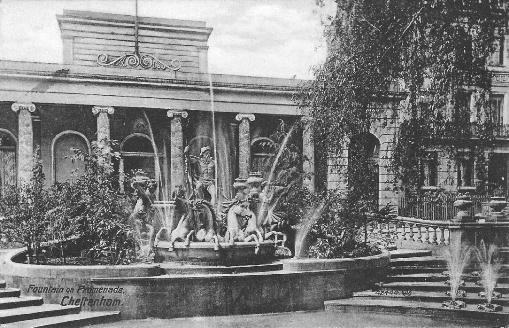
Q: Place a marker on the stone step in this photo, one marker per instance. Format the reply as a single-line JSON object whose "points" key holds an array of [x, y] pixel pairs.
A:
{"points": [[15, 302], [439, 287], [35, 312], [9, 292], [412, 269], [407, 307], [404, 253], [429, 277], [423, 261], [435, 297], [68, 320], [417, 277]]}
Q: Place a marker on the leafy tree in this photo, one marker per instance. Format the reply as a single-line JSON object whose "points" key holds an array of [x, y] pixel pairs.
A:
{"points": [[405, 63]]}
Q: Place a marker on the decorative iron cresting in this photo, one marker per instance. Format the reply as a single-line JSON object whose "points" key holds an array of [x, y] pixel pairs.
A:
{"points": [[135, 60]]}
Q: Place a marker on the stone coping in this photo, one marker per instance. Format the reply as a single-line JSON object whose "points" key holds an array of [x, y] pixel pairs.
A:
{"points": [[12, 268], [210, 245], [358, 263], [211, 276]]}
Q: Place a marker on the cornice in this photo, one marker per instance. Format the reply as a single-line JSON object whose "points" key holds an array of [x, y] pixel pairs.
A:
{"points": [[67, 75]]}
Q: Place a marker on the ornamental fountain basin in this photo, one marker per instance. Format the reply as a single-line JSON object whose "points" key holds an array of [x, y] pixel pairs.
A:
{"points": [[208, 253], [152, 290]]}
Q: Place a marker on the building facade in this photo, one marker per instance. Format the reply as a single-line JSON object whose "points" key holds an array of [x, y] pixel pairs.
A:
{"points": [[144, 83], [440, 171]]}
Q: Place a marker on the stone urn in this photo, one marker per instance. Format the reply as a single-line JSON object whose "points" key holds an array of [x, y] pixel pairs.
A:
{"points": [[255, 183], [497, 204], [463, 203]]}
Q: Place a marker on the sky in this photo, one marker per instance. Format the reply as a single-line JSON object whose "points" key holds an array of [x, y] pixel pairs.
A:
{"points": [[276, 38]]}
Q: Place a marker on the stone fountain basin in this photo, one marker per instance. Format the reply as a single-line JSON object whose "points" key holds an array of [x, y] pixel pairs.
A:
{"points": [[203, 253]]}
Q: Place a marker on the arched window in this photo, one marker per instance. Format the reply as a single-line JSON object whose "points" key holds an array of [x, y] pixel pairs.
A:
{"points": [[64, 167], [137, 153], [7, 159], [262, 153]]}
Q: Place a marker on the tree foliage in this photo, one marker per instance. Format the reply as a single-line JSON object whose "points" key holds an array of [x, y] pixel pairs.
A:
{"points": [[405, 65], [422, 58]]}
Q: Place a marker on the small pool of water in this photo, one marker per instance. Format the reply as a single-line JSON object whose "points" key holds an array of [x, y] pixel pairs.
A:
{"points": [[319, 319]]}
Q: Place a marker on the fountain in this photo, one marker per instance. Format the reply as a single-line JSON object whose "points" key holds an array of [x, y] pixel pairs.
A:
{"points": [[197, 224], [457, 256], [490, 267]]}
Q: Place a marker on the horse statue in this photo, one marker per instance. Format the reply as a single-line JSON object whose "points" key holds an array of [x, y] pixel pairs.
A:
{"points": [[196, 223]]}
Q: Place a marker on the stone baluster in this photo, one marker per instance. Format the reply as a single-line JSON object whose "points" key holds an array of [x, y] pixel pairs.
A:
{"points": [[442, 236], [434, 236], [308, 152], [411, 235], [177, 148], [426, 235], [244, 144], [25, 140], [419, 233]]}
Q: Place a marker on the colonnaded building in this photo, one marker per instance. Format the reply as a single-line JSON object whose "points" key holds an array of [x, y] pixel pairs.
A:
{"points": [[144, 83]]}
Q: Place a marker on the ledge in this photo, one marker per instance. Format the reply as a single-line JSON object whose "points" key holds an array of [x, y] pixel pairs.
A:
{"points": [[359, 263], [12, 268]]}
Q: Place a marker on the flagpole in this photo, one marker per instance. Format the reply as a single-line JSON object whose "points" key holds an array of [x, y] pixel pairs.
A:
{"points": [[136, 23]]}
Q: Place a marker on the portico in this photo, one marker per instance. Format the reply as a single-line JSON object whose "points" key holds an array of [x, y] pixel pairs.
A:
{"points": [[147, 111]]}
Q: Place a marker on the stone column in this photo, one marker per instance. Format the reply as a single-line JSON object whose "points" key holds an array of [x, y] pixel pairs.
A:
{"points": [[177, 148], [25, 140], [244, 144], [308, 151], [103, 123]]}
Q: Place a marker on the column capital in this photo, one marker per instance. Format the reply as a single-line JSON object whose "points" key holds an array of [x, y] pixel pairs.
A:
{"points": [[241, 116], [172, 113], [103, 109], [16, 107]]}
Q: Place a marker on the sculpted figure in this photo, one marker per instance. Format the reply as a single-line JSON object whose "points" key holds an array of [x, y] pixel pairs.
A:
{"points": [[197, 221], [204, 173], [141, 219]]}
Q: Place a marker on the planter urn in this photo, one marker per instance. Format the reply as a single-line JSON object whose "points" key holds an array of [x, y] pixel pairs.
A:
{"points": [[497, 204], [463, 204]]}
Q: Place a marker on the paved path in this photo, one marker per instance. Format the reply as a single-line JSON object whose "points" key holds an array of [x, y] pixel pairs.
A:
{"points": [[318, 319]]}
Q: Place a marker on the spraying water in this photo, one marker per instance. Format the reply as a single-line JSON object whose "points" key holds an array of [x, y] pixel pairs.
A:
{"points": [[304, 230], [160, 183], [214, 138], [157, 167], [490, 268], [266, 191], [457, 256]]}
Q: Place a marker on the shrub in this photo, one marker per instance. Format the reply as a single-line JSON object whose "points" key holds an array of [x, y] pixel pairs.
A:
{"points": [[86, 216], [341, 230], [23, 209]]}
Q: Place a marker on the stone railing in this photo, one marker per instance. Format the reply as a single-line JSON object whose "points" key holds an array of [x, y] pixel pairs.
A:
{"points": [[490, 226], [405, 229]]}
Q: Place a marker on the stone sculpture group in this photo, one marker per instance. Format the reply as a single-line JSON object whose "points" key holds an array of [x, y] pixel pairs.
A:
{"points": [[196, 216]]}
